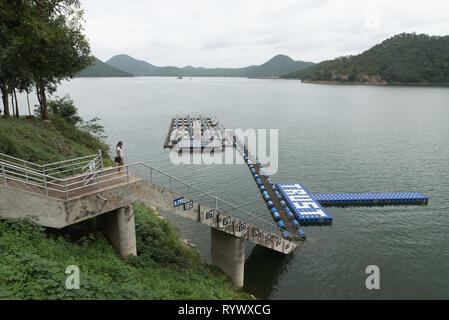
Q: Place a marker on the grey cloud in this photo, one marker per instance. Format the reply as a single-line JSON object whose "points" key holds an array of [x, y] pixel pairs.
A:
{"points": [[232, 33]]}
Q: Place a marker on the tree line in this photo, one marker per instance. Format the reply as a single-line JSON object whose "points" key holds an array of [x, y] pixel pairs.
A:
{"points": [[41, 43]]}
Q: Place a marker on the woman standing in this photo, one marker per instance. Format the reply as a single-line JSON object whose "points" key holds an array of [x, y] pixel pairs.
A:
{"points": [[119, 155]]}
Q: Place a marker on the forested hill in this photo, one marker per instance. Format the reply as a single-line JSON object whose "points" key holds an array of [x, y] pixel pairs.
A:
{"points": [[405, 58], [275, 67], [101, 69]]}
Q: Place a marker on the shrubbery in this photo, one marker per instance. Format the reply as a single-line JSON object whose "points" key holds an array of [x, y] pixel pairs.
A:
{"points": [[33, 263]]}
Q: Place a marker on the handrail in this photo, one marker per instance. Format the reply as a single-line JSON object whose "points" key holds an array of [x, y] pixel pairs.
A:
{"points": [[101, 176], [29, 171], [20, 160], [70, 165], [208, 194], [69, 160]]}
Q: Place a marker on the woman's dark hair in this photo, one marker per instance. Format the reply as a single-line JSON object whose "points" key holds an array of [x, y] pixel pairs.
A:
{"points": [[119, 143]]}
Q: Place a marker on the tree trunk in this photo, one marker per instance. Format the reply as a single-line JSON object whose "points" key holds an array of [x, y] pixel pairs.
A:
{"points": [[12, 106], [44, 104], [28, 101], [5, 102], [17, 104], [38, 94]]}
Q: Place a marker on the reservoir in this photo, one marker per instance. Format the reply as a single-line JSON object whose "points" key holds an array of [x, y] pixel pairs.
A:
{"points": [[332, 139]]}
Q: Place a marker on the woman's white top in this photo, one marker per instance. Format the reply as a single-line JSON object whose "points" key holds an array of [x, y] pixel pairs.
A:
{"points": [[119, 152]]}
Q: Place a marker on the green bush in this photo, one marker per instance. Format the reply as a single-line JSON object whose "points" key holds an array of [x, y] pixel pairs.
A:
{"points": [[33, 263], [64, 108]]}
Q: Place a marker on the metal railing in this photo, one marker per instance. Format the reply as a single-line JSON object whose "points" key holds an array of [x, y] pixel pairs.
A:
{"points": [[46, 179], [71, 166], [94, 177]]}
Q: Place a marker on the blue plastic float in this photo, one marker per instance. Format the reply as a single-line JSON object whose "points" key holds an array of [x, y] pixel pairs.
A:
{"points": [[305, 208], [286, 235], [371, 198], [281, 224]]}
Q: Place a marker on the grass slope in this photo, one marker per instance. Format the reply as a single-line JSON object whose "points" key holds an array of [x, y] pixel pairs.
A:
{"points": [[33, 263], [44, 142]]}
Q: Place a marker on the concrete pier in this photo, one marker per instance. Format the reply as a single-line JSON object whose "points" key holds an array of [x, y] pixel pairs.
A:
{"points": [[118, 227], [228, 253]]}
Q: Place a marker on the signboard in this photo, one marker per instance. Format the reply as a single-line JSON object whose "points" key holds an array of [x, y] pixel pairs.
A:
{"points": [[188, 205], [226, 221], [92, 166], [178, 202], [210, 214]]}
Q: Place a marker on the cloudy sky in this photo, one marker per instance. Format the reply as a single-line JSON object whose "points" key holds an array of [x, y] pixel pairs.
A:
{"points": [[234, 33]]}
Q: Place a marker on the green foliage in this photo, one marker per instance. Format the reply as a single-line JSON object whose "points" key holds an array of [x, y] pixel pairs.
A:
{"points": [[93, 128], [298, 74], [40, 142], [33, 264], [41, 43], [65, 109], [404, 58]]}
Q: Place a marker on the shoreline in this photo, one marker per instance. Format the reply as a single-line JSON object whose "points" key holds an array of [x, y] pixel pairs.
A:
{"points": [[376, 83]]}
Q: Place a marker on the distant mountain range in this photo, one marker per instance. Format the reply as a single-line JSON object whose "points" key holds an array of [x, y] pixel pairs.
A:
{"points": [[129, 66], [406, 58], [101, 69]]}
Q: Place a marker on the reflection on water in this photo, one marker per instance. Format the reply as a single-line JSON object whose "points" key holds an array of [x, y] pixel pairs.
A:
{"points": [[263, 268]]}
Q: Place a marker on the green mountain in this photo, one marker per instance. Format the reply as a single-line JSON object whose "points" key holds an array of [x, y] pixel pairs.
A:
{"points": [[101, 69], [277, 66], [406, 58], [298, 74], [273, 68]]}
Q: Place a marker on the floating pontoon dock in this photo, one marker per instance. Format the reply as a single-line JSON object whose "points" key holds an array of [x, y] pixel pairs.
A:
{"points": [[305, 208], [196, 133], [367, 199], [290, 204], [280, 212]]}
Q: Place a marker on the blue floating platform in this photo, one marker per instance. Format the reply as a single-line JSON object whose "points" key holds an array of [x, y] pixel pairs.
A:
{"points": [[306, 209], [385, 198]]}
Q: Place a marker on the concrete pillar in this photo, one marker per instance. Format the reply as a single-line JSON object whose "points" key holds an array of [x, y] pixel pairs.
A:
{"points": [[119, 228], [228, 253]]}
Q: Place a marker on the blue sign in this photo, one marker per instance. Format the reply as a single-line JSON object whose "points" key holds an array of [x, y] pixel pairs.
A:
{"points": [[178, 202]]}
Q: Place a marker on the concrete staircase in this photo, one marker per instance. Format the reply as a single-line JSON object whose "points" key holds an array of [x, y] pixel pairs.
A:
{"points": [[109, 197]]}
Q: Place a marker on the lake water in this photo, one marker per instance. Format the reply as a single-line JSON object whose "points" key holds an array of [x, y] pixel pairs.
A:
{"points": [[331, 139]]}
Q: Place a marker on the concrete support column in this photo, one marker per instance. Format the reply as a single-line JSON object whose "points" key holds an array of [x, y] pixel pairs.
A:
{"points": [[228, 253], [119, 228]]}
